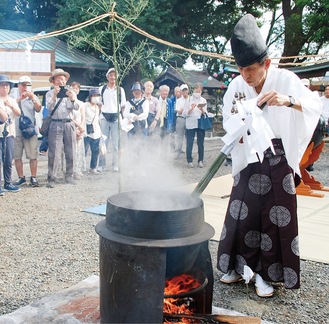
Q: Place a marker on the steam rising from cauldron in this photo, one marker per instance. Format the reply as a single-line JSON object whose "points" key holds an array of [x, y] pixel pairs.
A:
{"points": [[155, 200], [147, 165]]}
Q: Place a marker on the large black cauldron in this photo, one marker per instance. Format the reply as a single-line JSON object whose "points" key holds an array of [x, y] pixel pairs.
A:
{"points": [[146, 238], [161, 219]]}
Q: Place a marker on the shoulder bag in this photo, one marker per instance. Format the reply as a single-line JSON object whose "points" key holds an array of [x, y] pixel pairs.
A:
{"points": [[204, 122], [46, 122], [90, 127], [25, 125]]}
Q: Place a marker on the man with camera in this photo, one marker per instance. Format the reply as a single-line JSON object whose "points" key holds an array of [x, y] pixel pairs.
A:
{"points": [[61, 101], [28, 104], [9, 110]]}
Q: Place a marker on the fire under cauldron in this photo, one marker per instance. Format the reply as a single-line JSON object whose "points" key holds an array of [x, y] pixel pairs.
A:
{"points": [[146, 238]]}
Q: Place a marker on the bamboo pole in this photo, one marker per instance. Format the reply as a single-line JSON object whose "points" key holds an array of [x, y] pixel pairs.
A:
{"points": [[203, 183], [117, 86]]}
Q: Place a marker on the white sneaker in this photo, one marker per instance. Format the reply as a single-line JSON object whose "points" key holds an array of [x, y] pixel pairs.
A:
{"points": [[190, 164], [200, 164], [231, 277], [263, 288]]}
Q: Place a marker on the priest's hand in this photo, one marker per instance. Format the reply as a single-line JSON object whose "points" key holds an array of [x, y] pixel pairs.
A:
{"points": [[273, 98]]}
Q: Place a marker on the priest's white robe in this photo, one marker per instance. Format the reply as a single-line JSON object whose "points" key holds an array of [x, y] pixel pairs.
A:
{"points": [[293, 127]]}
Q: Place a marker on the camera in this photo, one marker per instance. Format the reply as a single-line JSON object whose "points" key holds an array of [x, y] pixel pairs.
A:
{"points": [[62, 92], [5, 133]]}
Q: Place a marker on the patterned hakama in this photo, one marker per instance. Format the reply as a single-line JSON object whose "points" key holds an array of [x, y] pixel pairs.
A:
{"points": [[260, 228]]}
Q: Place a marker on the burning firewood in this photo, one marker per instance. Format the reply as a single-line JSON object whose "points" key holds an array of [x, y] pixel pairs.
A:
{"points": [[215, 319]]}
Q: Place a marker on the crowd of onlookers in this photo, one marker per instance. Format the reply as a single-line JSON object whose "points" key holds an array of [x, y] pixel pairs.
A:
{"points": [[12, 143], [77, 127]]}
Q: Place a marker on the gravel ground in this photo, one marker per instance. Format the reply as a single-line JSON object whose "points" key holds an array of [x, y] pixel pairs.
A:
{"points": [[48, 244]]}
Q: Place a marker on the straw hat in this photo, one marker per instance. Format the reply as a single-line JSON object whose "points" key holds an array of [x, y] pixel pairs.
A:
{"points": [[57, 72]]}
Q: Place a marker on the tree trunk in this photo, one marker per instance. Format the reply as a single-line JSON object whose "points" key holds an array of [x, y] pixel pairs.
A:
{"points": [[133, 76], [294, 36]]}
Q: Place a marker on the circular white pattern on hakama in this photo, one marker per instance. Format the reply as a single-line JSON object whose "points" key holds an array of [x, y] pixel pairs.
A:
{"points": [[288, 184], [252, 239], [275, 272], [280, 216], [295, 246], [266, 242], [223, 262], [236, 179], [238, 209], [240, 262], [223, 234], [260, 184], [274, 160], [290, 277]]}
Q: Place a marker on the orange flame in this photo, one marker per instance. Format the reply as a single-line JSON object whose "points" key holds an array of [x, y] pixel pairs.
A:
{"points": [[177, 285]]}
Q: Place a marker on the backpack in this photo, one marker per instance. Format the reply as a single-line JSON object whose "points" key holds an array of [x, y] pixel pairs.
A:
{"points": [[137, 109], [26, 126]]}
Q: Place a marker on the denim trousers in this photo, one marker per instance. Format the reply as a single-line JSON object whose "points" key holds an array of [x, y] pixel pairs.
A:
{"points": [[6, 158], [190, 134], [94, 148], [111, 131]]}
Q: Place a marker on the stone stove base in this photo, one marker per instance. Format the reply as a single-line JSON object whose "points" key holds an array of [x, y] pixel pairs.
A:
{"points": [[78, 304]]}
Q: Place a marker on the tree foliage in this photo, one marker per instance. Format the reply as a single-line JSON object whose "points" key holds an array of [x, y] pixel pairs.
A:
{"points": [[112, 41], [295, 27], [304, 27], [29, 15]]}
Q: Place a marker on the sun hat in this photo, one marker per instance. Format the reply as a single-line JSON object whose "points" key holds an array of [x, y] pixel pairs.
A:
{"points": [[57, 72], [4, 78], [109, 71], [184, 87], [25, 79], [136, 86], [92, 92]]}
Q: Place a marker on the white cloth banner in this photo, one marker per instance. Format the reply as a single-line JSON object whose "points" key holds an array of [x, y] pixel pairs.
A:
{"points": [[249, 125]]}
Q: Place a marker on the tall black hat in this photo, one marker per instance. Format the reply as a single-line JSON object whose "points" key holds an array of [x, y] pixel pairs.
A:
{"points": [[248, 46]]}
